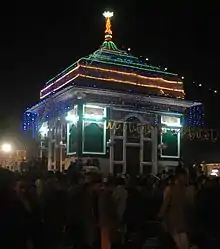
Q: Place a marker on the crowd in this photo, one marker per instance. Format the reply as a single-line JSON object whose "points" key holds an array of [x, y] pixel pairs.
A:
{"points": [[80, 210]]}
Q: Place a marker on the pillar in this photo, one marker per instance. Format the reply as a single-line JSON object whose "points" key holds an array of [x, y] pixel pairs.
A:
{"points": [[41, 148], [79, 128], [141, 148], [155, 150], [124, 147], [54, 141], [49, 159], [111, 151], [61, 147]]}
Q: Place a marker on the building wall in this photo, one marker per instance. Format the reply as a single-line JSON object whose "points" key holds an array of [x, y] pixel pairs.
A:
{"points": [[131, 140]]}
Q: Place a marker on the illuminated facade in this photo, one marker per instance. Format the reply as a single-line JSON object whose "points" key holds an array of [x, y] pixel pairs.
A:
{"points": [[115, 107]]}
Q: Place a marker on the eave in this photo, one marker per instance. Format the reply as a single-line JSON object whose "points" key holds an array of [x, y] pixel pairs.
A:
{"points": [[73, 92]]}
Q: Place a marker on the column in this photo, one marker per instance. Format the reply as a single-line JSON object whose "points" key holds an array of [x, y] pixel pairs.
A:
{"points": [[141, 149], [41, 148], [79, 128], [155, 150], [61, 147], [49, 159], [111, 151], [124, 147], [54, 140]]}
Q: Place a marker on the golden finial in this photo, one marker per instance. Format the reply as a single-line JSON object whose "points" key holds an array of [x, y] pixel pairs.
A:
{"points": [[108, 31]]}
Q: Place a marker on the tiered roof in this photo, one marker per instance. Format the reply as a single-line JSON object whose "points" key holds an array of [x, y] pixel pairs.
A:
{"points": [[114, 69]]}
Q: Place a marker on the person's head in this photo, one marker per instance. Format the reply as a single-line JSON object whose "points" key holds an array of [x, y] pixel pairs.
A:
{"points": [[182, 176]]}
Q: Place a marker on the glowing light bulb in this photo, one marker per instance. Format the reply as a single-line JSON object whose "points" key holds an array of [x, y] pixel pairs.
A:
{"points": [[182, 78], [108, 14], [6, 148], [215, 91], [200, 84]]}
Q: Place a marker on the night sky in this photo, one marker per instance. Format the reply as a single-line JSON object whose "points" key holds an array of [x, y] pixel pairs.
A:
{"points": [[45, 39]]}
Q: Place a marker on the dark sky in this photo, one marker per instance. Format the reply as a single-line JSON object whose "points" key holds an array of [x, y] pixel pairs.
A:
{"points": [[42, 39]]}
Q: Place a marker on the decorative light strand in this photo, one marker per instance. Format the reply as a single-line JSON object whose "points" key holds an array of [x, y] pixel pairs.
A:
{"points": [[130, 74], [215, 91], [110, 71], [48, 86], [135, 65], [32, 121], [126, 64], [122, 54], [129, 65], [54, 90], [61, 73], [115, 80], [131, 83]]}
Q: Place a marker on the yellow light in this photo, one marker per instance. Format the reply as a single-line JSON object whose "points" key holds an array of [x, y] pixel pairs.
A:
{"points": [[111, 71], [159, 80], [43, 96], [130, 82], [108, 14], [132, 74], [108, 26], [108, 31], [6, 148], [74, 69]]}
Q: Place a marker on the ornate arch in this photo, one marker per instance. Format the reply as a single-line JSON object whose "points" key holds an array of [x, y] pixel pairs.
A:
{"points": [[134, 115]]}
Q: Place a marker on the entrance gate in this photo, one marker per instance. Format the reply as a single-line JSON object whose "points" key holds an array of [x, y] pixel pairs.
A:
{"points": [[133, 148]]}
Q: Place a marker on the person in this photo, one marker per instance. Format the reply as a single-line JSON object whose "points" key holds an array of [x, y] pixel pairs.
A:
{"points": [[174, 210]]}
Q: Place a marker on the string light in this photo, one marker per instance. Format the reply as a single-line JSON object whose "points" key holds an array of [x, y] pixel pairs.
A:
{"points": [[47, 110], [128, 64], [208, 88], [132, 83], [181, 92], [48, 86], [205, 88], [195, 116], [131, 74], [30, 123], [109, 55], [127, 60], [110, 63], [54, 90], [157, 80]]}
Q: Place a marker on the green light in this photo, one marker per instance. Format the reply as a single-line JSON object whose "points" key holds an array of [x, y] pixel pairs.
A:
{"points": [[118, 64], [92, 117], [96, 56]]}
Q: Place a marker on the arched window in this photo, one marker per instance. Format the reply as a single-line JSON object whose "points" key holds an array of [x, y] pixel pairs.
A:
{"points": [[133, 130]]}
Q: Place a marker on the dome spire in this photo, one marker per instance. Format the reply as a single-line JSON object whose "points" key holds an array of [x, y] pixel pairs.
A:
{"points": [[108, 31]]}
